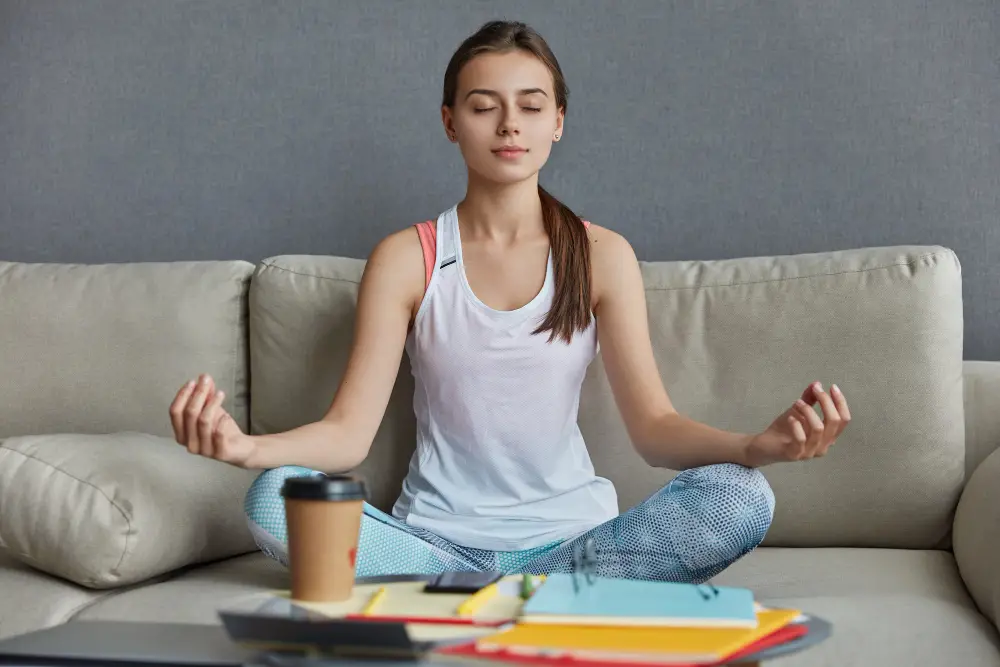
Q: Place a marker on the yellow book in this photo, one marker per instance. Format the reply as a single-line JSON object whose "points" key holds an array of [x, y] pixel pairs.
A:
{"points": [[408, 599], [635, 643]]}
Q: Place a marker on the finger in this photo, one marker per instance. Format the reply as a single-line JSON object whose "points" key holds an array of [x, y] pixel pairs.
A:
{"points": [[802, 443], [177, 412], [831, 418], [220, 413], [193, 411], [207, 422], [841, 402], [219, 427], [798, 432], [809, 395], [815, 425], [219, 435]]}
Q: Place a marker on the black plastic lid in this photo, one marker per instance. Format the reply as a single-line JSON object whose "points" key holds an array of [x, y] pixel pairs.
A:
{"points": [[324, 487]]}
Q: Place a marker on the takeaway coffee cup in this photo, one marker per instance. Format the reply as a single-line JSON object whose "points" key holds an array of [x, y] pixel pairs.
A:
{"points": [[323, 514]]}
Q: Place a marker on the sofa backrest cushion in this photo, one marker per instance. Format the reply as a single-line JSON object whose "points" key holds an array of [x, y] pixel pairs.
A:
{"points": [[104, 348], [736, 341], [301, 330]]}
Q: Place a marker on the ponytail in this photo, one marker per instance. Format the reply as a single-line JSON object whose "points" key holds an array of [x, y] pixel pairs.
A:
{"points": [[570, 245]]}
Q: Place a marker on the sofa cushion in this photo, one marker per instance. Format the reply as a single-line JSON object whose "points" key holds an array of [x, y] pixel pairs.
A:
{"points": [[301, 329], [982, 412], [104, 348], [33, 600], [897, 631], [736, 341], [108, 510], [977, 536], [888, 607], [196, 594]]}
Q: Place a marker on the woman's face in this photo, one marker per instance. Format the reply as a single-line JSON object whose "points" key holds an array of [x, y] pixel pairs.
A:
{"points": [[505, 116]]}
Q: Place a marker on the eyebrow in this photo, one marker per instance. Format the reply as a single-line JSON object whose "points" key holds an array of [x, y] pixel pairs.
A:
{"points": [[493, 93]]}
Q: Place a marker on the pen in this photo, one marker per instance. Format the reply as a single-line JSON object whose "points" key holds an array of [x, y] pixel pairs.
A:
{"points": [[477, 600], [374, 601]]}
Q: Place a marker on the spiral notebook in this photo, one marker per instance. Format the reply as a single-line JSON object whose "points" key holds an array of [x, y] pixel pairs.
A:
{"points": [[606, 601]]}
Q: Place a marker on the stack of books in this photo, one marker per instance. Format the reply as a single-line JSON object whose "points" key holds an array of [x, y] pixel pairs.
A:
{"points": [[605, 621], [561, 620]]}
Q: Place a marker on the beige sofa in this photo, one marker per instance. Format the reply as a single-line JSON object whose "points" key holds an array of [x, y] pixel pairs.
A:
{"points": [[894, 536]]}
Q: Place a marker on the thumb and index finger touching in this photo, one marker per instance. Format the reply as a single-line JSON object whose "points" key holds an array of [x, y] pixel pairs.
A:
{"points": [[811, 393], [202, 396]]}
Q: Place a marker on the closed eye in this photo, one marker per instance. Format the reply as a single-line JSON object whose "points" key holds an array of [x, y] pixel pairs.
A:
{"points": [[529, 109]]}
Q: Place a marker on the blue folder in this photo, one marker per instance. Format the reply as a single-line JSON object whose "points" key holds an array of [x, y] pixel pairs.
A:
{"points": [[607, 601]]}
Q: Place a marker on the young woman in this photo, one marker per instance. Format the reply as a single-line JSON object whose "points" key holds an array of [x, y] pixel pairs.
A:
{"points": [[501, 304]]}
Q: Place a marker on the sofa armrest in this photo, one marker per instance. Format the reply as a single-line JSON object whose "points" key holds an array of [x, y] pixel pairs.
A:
{"points": [[976, 536]]}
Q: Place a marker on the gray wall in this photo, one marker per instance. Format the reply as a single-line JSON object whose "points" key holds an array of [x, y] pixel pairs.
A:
{"points": [[136, 130]]}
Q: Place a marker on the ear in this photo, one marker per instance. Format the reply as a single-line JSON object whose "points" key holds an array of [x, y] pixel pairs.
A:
{"points": [[448, 120], [560, 118]]}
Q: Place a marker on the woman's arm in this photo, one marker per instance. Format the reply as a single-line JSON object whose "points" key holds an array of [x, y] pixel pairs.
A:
{"points": [[662, 436], [390, 292]]}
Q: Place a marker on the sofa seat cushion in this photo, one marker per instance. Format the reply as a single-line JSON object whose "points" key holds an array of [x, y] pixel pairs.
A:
{"points": [[888, 607], [32, 600], [197, 593], [111, 510]]}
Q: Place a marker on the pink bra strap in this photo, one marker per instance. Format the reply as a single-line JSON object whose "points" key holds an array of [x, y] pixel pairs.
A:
{"points": [[427, 231], [428, 242]]}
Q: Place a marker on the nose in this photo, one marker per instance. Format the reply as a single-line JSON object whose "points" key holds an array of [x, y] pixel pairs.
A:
{"points": [[508, 125]]}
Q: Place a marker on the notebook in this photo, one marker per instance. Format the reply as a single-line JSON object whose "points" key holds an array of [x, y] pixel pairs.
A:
{"points": [[660, 645], [607, 601]]}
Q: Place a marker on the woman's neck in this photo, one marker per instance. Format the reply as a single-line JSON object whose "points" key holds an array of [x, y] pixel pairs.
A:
{"points": [[501, 212]]}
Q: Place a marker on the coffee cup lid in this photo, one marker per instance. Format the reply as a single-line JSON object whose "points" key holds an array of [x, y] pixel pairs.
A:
{"points": [[324, 487]]}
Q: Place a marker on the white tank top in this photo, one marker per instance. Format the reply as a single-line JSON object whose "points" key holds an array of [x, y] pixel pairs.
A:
{"points": [[500, 463]]}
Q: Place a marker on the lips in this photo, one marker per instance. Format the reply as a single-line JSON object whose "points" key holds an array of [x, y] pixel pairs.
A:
{"points": [[509, 151]]}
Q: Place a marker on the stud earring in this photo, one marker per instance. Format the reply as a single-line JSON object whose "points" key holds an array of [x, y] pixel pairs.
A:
{"points": [[557, 137]]}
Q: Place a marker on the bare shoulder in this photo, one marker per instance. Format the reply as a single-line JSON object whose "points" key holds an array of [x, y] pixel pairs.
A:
{"points": [[607, 244], [400, 245], [612, 260], [396, 265]]}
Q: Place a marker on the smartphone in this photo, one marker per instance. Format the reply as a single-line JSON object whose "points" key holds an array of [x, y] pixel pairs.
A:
{"points": [[461, 582]]}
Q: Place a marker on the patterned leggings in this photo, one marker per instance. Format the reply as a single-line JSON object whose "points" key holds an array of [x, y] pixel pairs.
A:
{"points": [[689, 531]]}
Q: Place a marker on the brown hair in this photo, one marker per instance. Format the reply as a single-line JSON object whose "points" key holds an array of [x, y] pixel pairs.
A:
{"points": [[570, 310]]}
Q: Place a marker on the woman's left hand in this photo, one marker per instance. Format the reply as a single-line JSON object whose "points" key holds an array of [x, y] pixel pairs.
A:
{"points": [[799, 433]]}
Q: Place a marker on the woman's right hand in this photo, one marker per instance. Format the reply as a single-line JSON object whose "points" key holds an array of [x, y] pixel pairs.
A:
{"points": [[203, 426]]}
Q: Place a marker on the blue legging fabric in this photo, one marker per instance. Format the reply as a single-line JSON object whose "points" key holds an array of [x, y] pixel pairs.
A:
{"points": [[690, 530]]}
